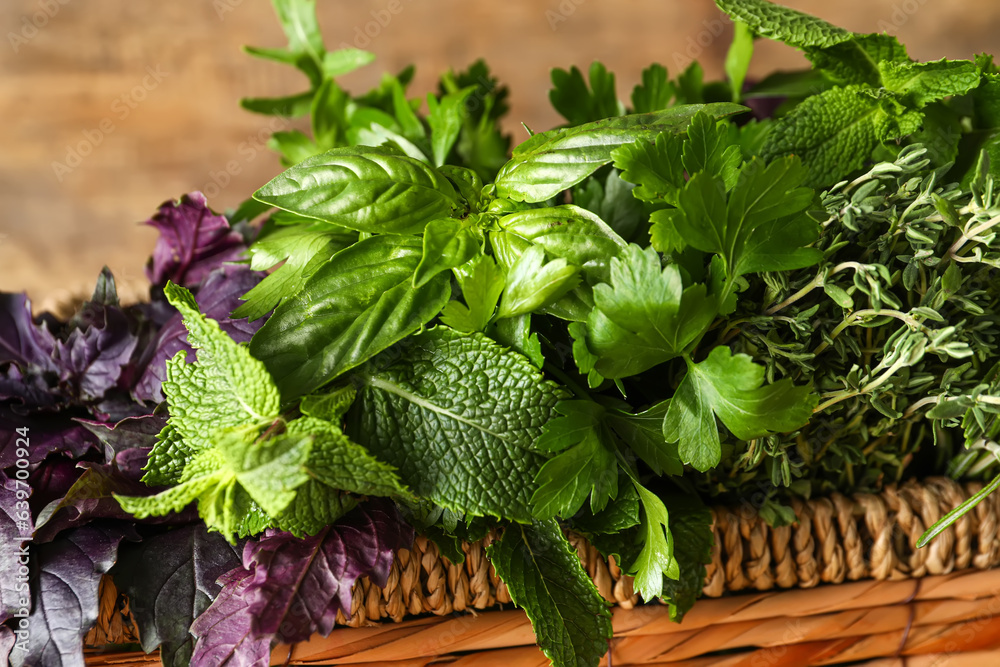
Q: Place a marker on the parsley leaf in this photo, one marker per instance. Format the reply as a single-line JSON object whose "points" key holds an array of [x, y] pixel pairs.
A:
{"points": [[482, 283], [731, 387]]}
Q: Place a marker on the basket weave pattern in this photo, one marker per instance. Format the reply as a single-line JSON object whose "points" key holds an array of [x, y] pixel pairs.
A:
{"points": [[835, 539]]}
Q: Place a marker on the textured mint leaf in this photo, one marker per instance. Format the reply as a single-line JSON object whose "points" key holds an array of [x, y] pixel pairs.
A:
{"points": [[170, 579], [447, 243], [579, 103], [691, 528], [550, 162], [364, 188], [644, 316], [731, 388], [544, 577], [330, 406], [482, 283], [167, 458], [923, 83], [532, 283], [342, 464], [654, 92], [457, 415], [303, 249], [226, 387], [238, 472], [656, 559], [355, 306], [835, 131], [859, 59], [585, 466], [784, 24]]}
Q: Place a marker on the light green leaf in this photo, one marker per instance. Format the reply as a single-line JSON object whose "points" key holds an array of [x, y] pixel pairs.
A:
{"points": [[447, 243], [533, 283], [303, 249], [445, 118], [656, 559], [644, 316], [655, 167], [731, 388], [643, 433], [330, 406], [482, 284], [738, 58], [923, 83], [226, 387], [585, 466], [294, 146], [858, 59], [352, 308], [292, 106], [344, 61], [783, 24], [457, 415], [549, 162], [364, 188], [544, 577], [654, 92], [570, 232]]}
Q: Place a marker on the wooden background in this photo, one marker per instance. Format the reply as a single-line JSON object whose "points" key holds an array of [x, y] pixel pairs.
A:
{"points": [[148, 91]]}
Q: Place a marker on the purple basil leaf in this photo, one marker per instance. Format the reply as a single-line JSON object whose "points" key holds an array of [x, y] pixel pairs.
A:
{"points": [[64, 594], [217, 298], [223, 630], [47, 434], [15, 522], [193, 242], [50, 481], [170, 579], [7, 640], [26, 367], [91, 497], [127, 443]]}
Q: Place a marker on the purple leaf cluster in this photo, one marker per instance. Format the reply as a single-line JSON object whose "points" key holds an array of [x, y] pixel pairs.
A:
{"points": [[84, 390], [289, 588]]}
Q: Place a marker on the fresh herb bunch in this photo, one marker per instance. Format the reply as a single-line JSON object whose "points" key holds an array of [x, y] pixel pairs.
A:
{"points": [[648, 307]]}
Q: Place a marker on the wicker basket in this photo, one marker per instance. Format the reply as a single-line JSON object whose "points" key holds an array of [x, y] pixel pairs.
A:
{"points": [[934, 606]]}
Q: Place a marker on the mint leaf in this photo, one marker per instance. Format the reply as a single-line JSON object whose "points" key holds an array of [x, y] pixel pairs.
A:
{"points": [[533, 283], [303, 249], [364, 188], [577, 102], [859, 59], [835, 131], [225, 388], [783, 24], [585, 467], [656, 559], [923, 83], [544, 577], [644, 316], [579, 151], [482, 284], [731, 388], [457, 415], [358, 304], [447, 243]]}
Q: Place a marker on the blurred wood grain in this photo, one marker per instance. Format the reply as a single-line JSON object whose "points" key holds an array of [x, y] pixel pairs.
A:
{"points": [[145, 95]]}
